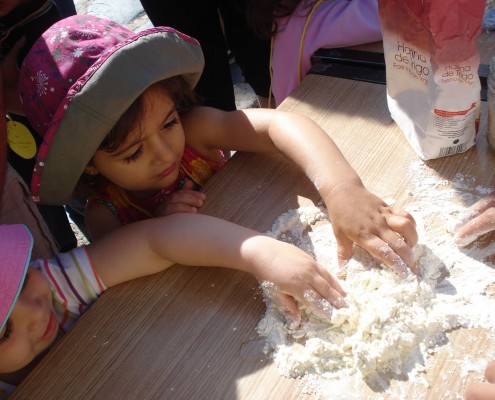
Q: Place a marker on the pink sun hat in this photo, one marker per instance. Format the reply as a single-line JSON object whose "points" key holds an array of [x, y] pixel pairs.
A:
{"points": [[16, 244], [79, 78]]}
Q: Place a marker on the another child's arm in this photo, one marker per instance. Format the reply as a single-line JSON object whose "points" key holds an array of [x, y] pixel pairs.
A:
{"points": [[480, 390], [150, 246], [479, 219], [357, 215]]}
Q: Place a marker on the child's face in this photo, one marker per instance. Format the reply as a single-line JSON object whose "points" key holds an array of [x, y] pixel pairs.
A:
{"points": [[6, 6], [149, 159], [32, 326]]}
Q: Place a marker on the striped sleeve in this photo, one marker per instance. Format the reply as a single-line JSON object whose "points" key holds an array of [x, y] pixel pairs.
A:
{"points": [[75, 284]]}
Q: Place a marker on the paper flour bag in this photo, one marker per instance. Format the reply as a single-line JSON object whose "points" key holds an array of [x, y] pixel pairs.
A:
{"points": [[432, 60]]}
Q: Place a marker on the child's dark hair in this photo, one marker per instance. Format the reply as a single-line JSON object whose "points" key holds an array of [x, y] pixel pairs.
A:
{"points": [[176, 87], [261, 14]]}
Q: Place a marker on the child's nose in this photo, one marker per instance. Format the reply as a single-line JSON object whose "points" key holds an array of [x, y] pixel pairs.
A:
{"points": [[162, 151]]}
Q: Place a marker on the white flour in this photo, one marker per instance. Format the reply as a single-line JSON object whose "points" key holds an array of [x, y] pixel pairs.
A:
{"points": [[391, 325]]}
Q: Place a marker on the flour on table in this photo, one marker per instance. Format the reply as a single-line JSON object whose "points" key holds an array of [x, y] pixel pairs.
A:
{"points": [[392, 325]]}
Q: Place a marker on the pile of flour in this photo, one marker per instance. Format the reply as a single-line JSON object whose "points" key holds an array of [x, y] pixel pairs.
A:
{"points": [[391, 325]]}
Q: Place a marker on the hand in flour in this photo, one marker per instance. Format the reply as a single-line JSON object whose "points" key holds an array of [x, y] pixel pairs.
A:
{"points": [[483, 391], [479, 219], [288, 275], [366, 220]]}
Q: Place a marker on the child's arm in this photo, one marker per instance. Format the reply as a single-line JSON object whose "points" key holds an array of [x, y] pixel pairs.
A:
{"points": [[357, 215], [150, 246]]}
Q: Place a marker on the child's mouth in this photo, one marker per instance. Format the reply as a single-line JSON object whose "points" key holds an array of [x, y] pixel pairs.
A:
{"points": [[51, 328], [167, 171]]}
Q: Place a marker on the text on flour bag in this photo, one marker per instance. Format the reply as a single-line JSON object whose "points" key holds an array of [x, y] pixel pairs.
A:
{"points": [[432, 60]]}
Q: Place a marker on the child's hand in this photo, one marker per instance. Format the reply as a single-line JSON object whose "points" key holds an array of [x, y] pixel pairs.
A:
{"points": [[185, 200], [479, 219], [361, 217], [289, 275], [483, 391]]}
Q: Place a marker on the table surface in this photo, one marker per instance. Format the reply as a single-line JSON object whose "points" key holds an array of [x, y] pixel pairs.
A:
{"points": [[189, 333]]}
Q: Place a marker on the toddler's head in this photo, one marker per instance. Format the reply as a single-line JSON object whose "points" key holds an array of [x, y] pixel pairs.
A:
{"points": [[77, 81], [28, 325]]}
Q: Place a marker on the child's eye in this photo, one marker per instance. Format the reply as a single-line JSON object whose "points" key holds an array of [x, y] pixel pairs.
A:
{"points": [[134, 156], [8, 332], [170, 123]]}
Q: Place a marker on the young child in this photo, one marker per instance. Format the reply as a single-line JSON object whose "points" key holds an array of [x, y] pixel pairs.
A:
{"points": [[116, 103], [57, 291]]}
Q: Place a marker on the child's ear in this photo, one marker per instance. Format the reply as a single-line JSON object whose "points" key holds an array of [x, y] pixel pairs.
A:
{"points": [[90, 170]]}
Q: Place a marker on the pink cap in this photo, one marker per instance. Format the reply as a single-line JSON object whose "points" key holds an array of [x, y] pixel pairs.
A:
{"points": [[16, 244]]}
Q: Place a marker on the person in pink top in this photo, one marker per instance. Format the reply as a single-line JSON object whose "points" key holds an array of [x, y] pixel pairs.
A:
{"points": [[309, 25]]}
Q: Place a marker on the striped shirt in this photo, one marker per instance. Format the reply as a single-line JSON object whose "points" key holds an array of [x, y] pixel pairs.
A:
{"points": [[74, 282]]}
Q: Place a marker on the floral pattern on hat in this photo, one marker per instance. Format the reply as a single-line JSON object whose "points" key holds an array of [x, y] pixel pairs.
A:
{"points": [[68, 51]]}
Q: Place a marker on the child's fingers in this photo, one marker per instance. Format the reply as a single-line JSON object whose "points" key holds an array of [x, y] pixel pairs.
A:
{"points": [[329, 287], [289, 307], [490, 372], [400, 247], [176, 209], [475, 210], [382, 250], [319, 305], [188, 185], [405, 225], [344, 254], [480, 391], [476, 227], [484, 204], [190, 197]]}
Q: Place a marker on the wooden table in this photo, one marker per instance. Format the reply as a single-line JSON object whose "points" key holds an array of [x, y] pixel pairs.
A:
{"points": [[189, 333]]}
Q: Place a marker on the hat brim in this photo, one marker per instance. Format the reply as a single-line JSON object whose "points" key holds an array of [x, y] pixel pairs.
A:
{"points": [[16, 244], [101, 96]]}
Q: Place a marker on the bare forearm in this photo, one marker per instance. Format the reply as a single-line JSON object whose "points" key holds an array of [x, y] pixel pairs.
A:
{"points": [[305, 143], [151, 246]]}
